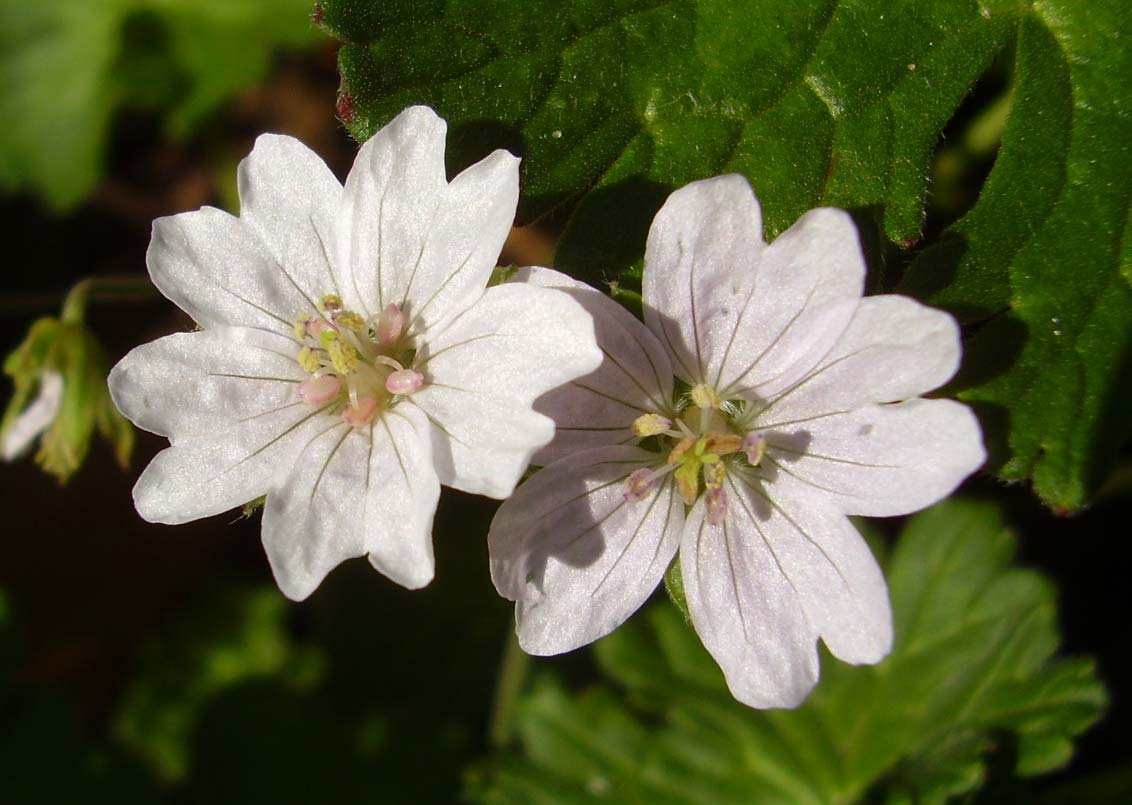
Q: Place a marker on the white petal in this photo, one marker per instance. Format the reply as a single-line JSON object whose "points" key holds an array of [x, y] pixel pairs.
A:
{"points": [[218, 269], [575, 554], [746, 611], [196, 384], [485, 370], [401, 502], [353, 492], [894, 348], [827, 563], [700, 264], [212, 475], [290, 197], [314, 520], [391, 197], [464, 241], [883, 460], [635, 376], [808, 286], [36, 418]]}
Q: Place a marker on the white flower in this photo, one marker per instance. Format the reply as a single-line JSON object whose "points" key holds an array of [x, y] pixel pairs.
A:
{"points": [[350, 360], [800, 407], [34, 419]]}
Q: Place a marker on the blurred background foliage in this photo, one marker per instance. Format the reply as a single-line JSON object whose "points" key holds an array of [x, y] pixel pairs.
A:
{"points": [[145, 664]]}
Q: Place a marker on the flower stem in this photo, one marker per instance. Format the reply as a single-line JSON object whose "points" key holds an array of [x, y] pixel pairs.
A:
{"points": [[513, 669], [110, 288]]}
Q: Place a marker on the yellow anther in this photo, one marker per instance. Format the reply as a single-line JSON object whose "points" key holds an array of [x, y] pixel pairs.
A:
{"points": [[330, 303], [343, 357], [723, 444], [688, 481], [680, 449], [350, 320], [301, 326], [308, 359], [714, 474], [651, 425], [705, 396]]}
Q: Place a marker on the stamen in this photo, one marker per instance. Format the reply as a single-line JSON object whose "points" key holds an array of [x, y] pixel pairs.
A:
{"points": [[688, 481], [716, 500], [681, 448], [330, 303], [301, 326], [360, 413], [350, 320], [308, 360], [319, 390], [705, 396], [390, 325], [723, 444], [638, 484], [343, 356], [404, 381], [651, 425], [754, 445], [714, 474]]}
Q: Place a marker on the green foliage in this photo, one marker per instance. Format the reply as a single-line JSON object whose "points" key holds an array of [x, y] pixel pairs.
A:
{"points": [[828, 102], [67, 65], [972, 674], [239, 636]]}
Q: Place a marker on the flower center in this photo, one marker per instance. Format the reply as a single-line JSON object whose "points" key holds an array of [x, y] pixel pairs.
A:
{"points": [[357, 366], [703, 443]]}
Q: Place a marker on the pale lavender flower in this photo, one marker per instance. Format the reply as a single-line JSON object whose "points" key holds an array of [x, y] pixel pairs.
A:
{"points": [[762, 401]]}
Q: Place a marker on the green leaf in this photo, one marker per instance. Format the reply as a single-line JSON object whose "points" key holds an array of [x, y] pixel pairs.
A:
{"points": [[973, 673], [612, 105], [68, 65], [240, 636], [1044, 260]]}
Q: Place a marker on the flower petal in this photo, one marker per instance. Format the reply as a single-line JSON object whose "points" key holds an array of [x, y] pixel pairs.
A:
{"points": [[894, 348], [575, 554], [700, 267], [826, 562], [635, 376], [391, 197], [746, 611], [808, 286], [484, 371], [313, 520], [401, 501], [207, 476], [291, 199], [883, 460], [36, 418], [196, 384], [464, 241], [218, 269], [352, 492]]}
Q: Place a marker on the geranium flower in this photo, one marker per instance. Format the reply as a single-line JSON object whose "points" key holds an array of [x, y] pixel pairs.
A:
{"points": [[350, 360], [762, 402]]}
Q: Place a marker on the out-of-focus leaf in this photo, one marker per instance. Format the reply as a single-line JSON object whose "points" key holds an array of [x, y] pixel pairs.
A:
{"points": [[972, 673], [240, 636], [67, 65]]}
